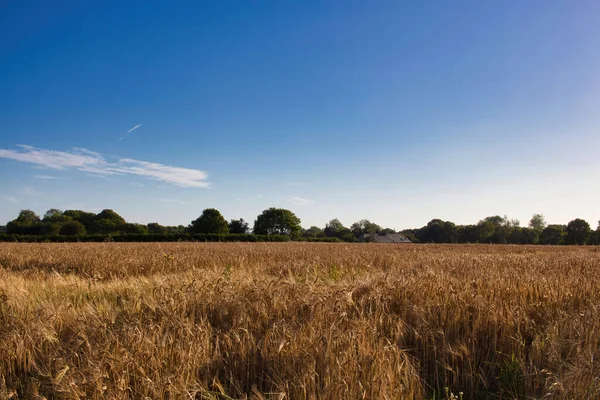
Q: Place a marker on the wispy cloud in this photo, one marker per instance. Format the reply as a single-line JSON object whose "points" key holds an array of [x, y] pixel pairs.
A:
{"points": [[294, 184], [77, 158], [178, 176], [9, 199], [172, 201], [29, 191], [45, 177], [94, 164], [300, 201], [97, 176], [131, 130]]}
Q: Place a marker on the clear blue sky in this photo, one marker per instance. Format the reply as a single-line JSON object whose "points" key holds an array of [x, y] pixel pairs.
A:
{"points": [[399, 112]]}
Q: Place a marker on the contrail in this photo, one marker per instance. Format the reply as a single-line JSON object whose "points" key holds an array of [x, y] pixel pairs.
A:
{"points": [[131, 130]]}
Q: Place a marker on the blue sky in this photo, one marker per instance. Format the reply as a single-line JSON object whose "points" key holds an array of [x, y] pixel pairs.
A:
{"points": [[399, 112]]}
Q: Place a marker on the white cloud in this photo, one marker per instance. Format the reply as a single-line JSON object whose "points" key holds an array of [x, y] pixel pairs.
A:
{"points": [[51, 159], [94, 164], [178, 176], [299, 201], [45, 177], [172, 201]]}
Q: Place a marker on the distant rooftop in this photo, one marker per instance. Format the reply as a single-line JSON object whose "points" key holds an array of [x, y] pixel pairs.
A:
{"points": [[387, 238]]}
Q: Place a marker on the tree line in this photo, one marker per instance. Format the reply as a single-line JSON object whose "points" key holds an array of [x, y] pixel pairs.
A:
{"points": [[281, 222]]}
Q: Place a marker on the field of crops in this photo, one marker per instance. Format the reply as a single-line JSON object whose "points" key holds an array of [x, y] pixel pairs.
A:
{"points": [[298, 321]]}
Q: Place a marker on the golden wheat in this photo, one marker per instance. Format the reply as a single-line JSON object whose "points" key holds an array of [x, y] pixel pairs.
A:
{"points": [[298, 321]]}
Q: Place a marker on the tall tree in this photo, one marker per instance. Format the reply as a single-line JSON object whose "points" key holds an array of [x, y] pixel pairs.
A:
{"points": [[496, 220], [595, 236], [364, 227], [84, 217], [211, 221], [538, 222], [28, 216], [55, 216], [277, 221], [106, 222], [578, 232], [110, 215], [333, 227], [553, 234], [27, 223], [238, 226], [438, 231], [53, 212]]}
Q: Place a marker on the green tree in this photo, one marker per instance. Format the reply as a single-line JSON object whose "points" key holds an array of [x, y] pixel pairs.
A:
{"points": [[238, 226], [26, 223], [73, 228], [176, 230], [55, 216], [496, 220], [156, 228], [538, 222], [134, 229], [501, 234], [578, 232], [49, 228], [110, 215], [553, 234], [106, 222], [364, 227], [484, 231], [84, 217], [410, 234], [211, 221], [595, 236], [277, 221], [523, 236], [334, 228], [438, 231], [28, 216], [53, 212], [313, 232]]}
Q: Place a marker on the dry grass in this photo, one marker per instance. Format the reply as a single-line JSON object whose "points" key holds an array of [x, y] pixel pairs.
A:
{"points": [[298, 321]]}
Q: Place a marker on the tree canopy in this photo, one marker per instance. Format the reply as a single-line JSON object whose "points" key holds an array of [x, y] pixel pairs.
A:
{"points": [[313, 232], [211, 221], [238, 226], [73, 228], [553, 234], [277, 221], [578, 232], [538, 222]]}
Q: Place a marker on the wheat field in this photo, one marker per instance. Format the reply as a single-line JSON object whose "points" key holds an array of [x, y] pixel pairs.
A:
{"points": [[298, 321]]}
